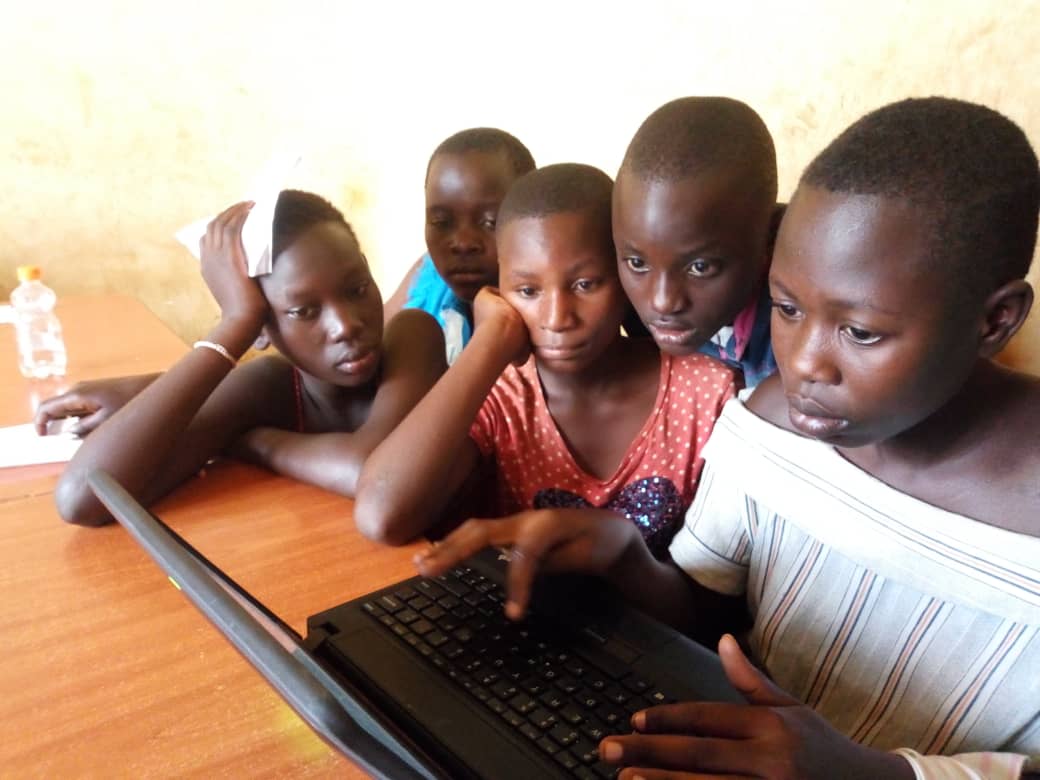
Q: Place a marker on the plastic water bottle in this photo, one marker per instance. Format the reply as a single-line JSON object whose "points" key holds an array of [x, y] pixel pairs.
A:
{"points": [[41, 349]]}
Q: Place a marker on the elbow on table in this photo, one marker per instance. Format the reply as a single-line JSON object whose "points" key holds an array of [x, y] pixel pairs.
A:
{"points": [[77, 504], [378, 521]]}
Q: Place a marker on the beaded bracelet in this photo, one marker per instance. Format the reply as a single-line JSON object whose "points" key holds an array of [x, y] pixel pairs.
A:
{"points": [[220, 349]]}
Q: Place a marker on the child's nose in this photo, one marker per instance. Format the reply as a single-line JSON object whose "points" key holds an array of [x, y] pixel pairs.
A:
{"points": [[465, 239], [668, 296], [811, 357], [557, 314], [344, 323]]}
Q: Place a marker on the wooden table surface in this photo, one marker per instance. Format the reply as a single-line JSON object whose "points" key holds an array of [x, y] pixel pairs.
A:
{"points": [[105, 335], [108, 671]]}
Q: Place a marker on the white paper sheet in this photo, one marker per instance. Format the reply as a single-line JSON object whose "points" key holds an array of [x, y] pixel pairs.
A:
{"points": [[258, 228], [21, 446]]}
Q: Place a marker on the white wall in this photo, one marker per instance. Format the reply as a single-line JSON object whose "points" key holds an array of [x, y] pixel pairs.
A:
{"points": [[121, 121]]}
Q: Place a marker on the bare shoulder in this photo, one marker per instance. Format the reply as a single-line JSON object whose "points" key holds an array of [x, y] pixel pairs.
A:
{"points": [[253, 391], [413, 337], [413, 328], [769, 402]]}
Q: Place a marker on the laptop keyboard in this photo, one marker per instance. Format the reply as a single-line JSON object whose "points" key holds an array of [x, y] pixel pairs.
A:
{"points": [[564, 696]]}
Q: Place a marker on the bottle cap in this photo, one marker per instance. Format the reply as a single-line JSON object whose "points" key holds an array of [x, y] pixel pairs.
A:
{"points": [[29, 273]]}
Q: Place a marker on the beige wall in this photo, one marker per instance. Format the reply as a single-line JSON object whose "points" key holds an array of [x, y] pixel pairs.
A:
{"points": [[121, 121]]}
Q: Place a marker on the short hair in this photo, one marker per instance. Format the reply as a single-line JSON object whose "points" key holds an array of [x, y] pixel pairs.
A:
{"points": [[694, 135], [490, 140], [560, 189], [970, 169], [298, 211]]}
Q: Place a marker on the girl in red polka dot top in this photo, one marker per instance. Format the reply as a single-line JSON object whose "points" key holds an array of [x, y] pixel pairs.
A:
{"points": [[575, 416]]}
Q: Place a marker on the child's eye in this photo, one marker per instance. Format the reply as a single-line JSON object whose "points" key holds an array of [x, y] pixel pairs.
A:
{"points": [[488, 223], [302, 312], [359, 291], [636, 264], [701, 267], [787, 310], [585, 285], [526, 292], [861, 336]]}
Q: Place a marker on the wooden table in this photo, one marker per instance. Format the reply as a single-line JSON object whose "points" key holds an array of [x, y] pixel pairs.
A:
{"points": [[105, 335], [108, 671]]}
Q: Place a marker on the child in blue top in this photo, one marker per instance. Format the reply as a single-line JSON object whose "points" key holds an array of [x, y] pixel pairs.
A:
{"points": [[695, 215], [466, 179]]}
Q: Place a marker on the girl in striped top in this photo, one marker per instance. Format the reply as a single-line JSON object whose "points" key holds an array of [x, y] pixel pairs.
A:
{"points": [[874, 506]]}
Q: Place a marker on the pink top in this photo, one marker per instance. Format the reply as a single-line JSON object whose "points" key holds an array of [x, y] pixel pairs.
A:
{"points": [[656, 480]]}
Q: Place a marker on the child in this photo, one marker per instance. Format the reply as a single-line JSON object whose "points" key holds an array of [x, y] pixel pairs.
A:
{"points": [[314, 415], [466, 179], [876, 503], [592, 419], [695, 215]]}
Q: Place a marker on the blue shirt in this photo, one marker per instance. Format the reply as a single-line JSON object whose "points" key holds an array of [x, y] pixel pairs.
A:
{"points": [[431, 294], [745, 344]]}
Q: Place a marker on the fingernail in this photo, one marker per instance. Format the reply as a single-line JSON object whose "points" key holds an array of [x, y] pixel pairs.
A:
{"points": [[611, 751], [513, 610], [639, 720]]}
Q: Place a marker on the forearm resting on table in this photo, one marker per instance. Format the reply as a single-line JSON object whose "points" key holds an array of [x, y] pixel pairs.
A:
{"points": [[331, 461]]}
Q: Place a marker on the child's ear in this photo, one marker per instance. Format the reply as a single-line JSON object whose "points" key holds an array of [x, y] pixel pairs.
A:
{"points": [[1004, 312], [263, 341]]}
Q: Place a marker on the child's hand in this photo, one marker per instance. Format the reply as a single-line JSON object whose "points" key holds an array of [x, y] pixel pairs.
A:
{"points": [[224, 268], [92, 402], [773, 736], [579, 540], [490, 307]]}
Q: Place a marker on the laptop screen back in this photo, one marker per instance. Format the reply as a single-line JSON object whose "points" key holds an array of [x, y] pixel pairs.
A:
{"points": [[273, 648]]}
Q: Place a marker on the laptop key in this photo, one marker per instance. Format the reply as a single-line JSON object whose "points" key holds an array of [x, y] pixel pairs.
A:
{"points": [[594, 731], [372, 608], [419, 603], [448, 601], [529, 731], [389, 603], [429, 588], [422, 627], [569, 713], [566, 760], [523, 703], [543, 719], [433, 613], [586, 752], [514, 719], [547, 745], [405, 593], [495, 705], [436, 638], [407, 616], [606, 771], [636, 685], [563, 734]]}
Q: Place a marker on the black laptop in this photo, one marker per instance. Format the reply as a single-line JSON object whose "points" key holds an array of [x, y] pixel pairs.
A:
{"points": [[428, 679]]}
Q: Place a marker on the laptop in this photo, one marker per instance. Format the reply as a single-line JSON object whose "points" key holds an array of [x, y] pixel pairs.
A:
{"points": [[427, 679]]}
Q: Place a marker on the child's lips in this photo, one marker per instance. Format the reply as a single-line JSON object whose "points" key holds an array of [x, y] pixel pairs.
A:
{"points": [[559, 351], [358, 364], [813, 419], [675, 334]]}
